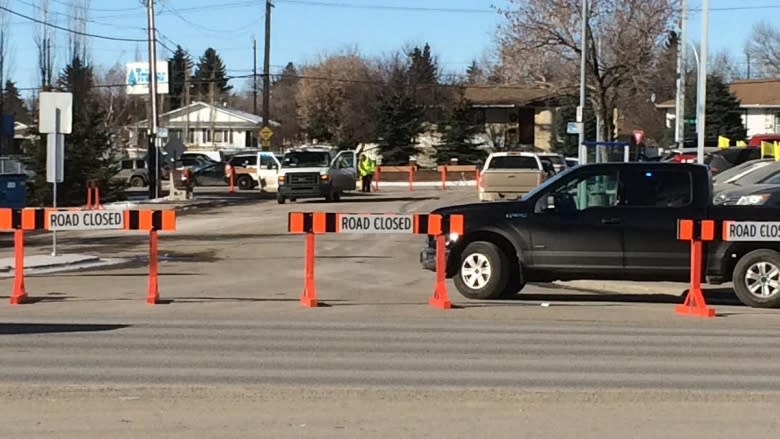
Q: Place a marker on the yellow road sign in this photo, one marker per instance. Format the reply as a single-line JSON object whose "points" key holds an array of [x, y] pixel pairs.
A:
{"points": [[266, 133]]}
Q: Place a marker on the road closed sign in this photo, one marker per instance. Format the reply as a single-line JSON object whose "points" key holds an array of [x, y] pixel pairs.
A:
{"points": [[86, 220], [376, 223], [751, 231]]}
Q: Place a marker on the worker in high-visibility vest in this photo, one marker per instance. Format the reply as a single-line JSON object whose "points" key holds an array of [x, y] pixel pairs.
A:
{"points": [[366, 168]]}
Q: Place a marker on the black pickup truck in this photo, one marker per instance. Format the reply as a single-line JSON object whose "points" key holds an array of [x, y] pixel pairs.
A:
{"points": [[613, 221]]}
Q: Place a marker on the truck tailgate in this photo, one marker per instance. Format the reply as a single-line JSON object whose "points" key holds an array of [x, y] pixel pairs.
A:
{"points": [[511, 180]]}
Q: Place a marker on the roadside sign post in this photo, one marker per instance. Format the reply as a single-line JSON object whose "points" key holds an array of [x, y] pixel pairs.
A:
{"points": [[265, 136], [55, 116]]}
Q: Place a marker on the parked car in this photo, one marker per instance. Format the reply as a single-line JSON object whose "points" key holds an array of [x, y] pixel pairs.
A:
{"points": [[727, 158], [133, 172], [756, 139], [511, 174], [755, 188], [212, 174], [558, 161], [313, 172], [684, 155], [727, 179], [214, 156]]}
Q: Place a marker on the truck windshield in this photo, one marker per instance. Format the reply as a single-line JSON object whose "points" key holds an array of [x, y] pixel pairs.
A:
{"points": [[306, 159]]}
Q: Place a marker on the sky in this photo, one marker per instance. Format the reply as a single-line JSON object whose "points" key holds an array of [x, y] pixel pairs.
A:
{"points": [[458, 31]]}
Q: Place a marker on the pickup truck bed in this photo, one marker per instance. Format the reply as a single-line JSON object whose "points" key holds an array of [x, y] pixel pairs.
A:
{"points": [[607, 221]]}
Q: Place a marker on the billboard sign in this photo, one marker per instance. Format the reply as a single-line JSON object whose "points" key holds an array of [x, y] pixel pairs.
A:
{"points": [[137, 78]]}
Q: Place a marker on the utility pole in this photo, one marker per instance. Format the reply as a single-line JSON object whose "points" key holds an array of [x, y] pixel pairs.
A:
{"points": [[254, 74], [583, 153], [702, 92], [747, 55], [267, 66], [152, 153], [682, 48]]}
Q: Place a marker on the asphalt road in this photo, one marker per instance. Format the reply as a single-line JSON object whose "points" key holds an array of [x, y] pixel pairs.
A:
{"points": [[232, 354]]}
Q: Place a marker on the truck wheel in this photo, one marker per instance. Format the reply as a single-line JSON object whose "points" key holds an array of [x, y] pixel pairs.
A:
{"points": [[137, 182], [757, 279], [337, 196], [280, 199], [244, 182], [483, 272], [330, 195]]}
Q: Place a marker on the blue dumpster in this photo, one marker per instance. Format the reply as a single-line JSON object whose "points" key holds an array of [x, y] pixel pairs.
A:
{"points": [[13, 190]]}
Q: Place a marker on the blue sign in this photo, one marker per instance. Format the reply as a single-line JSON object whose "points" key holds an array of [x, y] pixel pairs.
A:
{"points": [[7, 125]]}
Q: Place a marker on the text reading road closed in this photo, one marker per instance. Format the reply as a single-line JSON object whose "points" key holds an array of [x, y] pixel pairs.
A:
{"points": [[86, 220], [376, 223], [751, 231]]}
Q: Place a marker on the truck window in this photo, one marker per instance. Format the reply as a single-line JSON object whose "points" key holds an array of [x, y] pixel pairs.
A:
{"points": [[513, 162], [657, 188], [303, 159], [593, 190]]}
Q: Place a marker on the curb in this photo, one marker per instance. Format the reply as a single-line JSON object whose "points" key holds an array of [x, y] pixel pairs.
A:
{"points": [[90, 260]]}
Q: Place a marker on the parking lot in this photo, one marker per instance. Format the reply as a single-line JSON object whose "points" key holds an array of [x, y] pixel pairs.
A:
{"points": [[231, 330]]}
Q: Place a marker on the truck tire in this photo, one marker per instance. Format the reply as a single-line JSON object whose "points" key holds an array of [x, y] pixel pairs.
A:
{"points": [[483, 271], [337, 196], [137, 182], [280, 199], [244, 182], [757, 279]]}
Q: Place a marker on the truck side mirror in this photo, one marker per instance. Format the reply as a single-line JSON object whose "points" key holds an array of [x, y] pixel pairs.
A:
{"points": [[550, 204]]}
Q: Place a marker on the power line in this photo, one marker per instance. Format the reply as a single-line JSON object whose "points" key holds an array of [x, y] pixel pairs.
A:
{"points": [[99, 9], [387, 7], [88, 20], [738, 8], [65, 29], [201, 28]]}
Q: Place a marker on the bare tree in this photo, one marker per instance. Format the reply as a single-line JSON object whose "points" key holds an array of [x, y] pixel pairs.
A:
{"points": [[77, 42], [44, 36], [724, 65], [335, 99], [763, 48], [540, 44]]}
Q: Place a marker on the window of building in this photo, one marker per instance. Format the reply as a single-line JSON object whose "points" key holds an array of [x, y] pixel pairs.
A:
{"points": [[206, 135], [220, 136], [191, 136]]}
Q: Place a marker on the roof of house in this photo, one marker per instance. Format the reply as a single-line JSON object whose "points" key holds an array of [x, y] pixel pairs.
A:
{"points": [[750, 93], [194, 106], [506, 96]]}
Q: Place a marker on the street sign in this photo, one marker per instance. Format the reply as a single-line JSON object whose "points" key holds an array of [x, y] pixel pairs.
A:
{"points": [[266, 133], [690, 121], [86, 220], [373, 223], [573, 128], [639, 137], [751, 231], [55, 158], [162, 132], [48, 104]]}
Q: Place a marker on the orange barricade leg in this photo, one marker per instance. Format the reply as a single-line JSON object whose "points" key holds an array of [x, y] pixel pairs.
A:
{"points": [[694, 301], [153, 296], [411, 178], [478, 175], [19, 295], [89, 196], [97, 198], [309, 298], [439, 298], [443, 178], [232, 184]]}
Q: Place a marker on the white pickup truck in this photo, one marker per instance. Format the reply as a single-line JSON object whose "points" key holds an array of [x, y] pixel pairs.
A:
{"points": [[508, 175], [316, 172]]}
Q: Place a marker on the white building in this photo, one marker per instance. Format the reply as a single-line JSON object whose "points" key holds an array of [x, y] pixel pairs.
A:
{"points": [[205, 127], [760, 102]]}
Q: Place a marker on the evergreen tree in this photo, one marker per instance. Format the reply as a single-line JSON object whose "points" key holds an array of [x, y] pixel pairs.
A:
{"points": [[179, 65], [211, 70], [723, 112], [400, 120], [13, 104], [88, 153], [459, 133], [283, 105], [474, 74], [724, 115], [423, 68]]}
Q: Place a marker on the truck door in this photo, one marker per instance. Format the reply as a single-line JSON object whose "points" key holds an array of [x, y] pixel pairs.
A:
{"points": [[652, 202], [267, 170], [574, 229], [345, 167]]}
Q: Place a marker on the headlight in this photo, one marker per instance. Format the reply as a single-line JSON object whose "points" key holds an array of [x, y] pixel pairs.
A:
{"points": [[453, 237], [752, 200], [324, 177], [280, 179]]}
